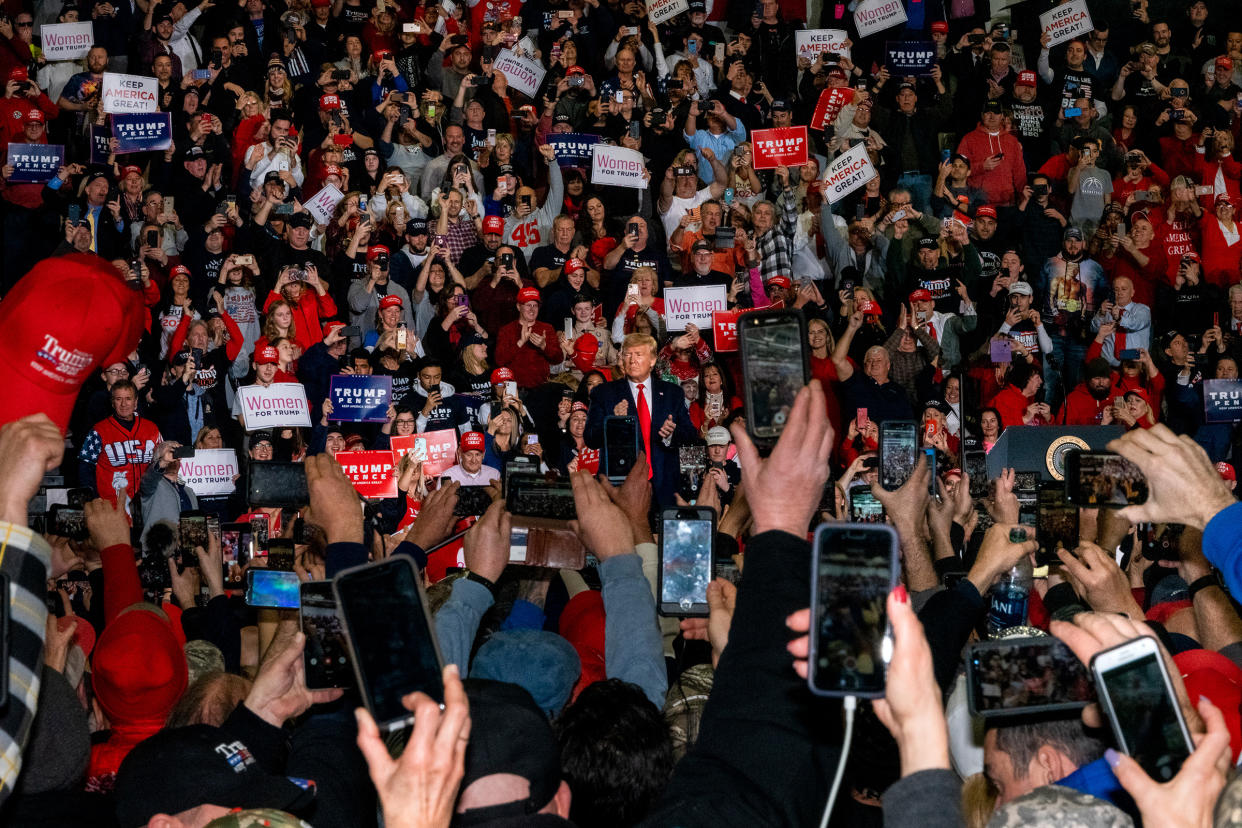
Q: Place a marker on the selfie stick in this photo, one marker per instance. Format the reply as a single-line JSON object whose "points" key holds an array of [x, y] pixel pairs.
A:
{"points": [[851, 702]]}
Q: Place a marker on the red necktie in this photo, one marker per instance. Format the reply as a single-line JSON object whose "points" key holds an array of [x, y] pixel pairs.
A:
{"points": [[1119, 343], [644, 426]]}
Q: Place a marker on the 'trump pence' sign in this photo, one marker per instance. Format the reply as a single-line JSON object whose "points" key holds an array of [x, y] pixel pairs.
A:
{"points": [[209, 472], [693, 305], [780, 146], [873, 16], [1066, 22], [371, 472], [618, 166], [847, 173], [523, 74], [129, 93], [67, 41], [279, 405]]}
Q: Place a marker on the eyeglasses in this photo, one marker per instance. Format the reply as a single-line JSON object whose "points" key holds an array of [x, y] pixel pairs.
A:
{"points": [[26, 25], [402, 421]]}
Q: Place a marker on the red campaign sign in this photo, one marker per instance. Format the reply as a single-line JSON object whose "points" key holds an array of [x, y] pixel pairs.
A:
{"points": [[829, 106], [371, 472], [781, 146], [724, 329], [588, 460], [441, 451]]}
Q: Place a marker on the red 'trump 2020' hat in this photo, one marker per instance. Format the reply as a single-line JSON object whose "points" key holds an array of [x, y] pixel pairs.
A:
{"points": [[66, 317]]}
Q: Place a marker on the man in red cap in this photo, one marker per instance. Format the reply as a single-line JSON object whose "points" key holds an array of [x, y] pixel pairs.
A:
{"points": [[527, 346], [21, 96], [470, 470], [366, 295]]}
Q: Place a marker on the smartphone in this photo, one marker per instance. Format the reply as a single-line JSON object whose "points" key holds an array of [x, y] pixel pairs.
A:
{"points": [[280, 554], [201, 74], [326, 656], [68, 522], [1025, 676], [687, 544], [865, 507], [274, 483], [1162, 541], [976, 465], [621, 447], [408, 28], [192, 531], [258, 533], [726, 238], [898, 452], [392, 642], [272, 588], [631, 229], [853, 568], [511, 389], [719, 52], [1000, 351], [236, 545], [491, 137], [635, 129], [471, 500], [1129, 353], [153, 238], [1056, 522], [1073, 111], [75, 214], [775, 367], [1138, 698], [1101, 479]]}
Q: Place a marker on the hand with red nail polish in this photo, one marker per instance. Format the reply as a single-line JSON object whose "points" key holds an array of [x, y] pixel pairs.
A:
{"points": [[911, 708]]}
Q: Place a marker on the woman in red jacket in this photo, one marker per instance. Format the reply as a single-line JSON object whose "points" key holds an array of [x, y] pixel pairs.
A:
{"points": [[1222, 243], [309, 301]]}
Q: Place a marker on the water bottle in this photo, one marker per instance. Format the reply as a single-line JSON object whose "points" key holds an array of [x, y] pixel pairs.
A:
{"points": [[1009, 598]]}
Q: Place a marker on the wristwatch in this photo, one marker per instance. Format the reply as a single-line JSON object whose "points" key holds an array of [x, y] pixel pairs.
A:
{"points": [[1211, 579]]}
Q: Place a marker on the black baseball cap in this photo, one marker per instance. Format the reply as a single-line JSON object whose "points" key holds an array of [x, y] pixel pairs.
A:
{"points": [[510, 734], [179, 769], [416, 227], [300, 220]]}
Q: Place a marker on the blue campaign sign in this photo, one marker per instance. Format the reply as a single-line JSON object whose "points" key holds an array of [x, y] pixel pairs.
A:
{"points": [[142, 131], [35, 163], [101, 140], [572, 149], [1222, 400], [359, 399], [910, 57]]}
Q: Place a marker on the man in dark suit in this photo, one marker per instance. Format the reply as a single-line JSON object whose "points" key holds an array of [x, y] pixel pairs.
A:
{"points": [[659, 406]]}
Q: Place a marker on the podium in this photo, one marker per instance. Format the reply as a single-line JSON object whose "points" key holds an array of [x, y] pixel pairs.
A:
{"points": [[1043, 448]]}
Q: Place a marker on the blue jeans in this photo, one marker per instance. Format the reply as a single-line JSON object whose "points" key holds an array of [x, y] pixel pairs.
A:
{"points": [[1063, 367], [920, 187]]}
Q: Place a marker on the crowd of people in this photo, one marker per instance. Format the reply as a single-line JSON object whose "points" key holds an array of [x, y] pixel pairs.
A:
{"points": [[347, 189]]}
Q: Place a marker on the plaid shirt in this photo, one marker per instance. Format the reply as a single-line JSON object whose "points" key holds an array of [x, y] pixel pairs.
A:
{"points": [[775, 247]]}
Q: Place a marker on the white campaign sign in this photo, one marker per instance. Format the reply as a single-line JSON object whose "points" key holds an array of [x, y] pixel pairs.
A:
{"points": [[1066, 22], [209, 472], [618, 166], [523, 74], [67, 41], [810, 42], [129, 93], [279, 405], [873, 16], [322, 203], [693, 305], [661, 10], [847, 173]]}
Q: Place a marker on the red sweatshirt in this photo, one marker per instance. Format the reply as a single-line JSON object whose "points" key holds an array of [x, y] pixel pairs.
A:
{"points": [[530, 365], [1003, 183], [306, 315], [1220, 258]]}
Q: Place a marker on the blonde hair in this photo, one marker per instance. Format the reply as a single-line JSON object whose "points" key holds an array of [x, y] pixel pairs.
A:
{"points": [[978, 801], [638, 340]]}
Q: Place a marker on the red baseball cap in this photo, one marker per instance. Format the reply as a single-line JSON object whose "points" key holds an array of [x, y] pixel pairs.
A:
{"points": [[579, 406], [869, 308], [528, 294], [575, 70], [320, 4], [1027, 78], [67, 317], [1224, 62], [493, 224], [267, 355], [391, 301], [585, 349], [986, 211], [920, 295], [36, 114], [1226, 471], [375, 250], [781, 281], [574, 264], [126, 172], [1208, 673], [180, 270], [335, 324], [327, 102], [333, 169], [501, 375], [473, 441], [940, 26], [19, 74]]}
